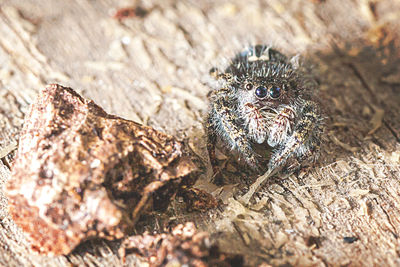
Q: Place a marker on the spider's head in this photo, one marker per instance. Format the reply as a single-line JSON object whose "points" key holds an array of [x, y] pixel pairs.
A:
{"points": [[266, 84]]}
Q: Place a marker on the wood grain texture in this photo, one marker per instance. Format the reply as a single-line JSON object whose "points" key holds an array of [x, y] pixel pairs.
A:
{"points": [[154, 70]]}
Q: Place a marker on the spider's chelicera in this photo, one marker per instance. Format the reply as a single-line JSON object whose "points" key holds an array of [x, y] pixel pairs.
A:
{"points": [[264, 99]]}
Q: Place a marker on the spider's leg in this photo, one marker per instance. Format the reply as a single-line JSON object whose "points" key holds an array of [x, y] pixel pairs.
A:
{"points": [[211, 143], [304, 142], [222, 121]]}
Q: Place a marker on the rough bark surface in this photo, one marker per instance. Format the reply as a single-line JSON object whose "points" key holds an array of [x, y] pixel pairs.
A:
{"points": [[81, 173], [152, 67]]}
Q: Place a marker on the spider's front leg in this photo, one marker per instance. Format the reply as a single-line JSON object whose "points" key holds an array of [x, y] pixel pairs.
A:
{"points": [[222, 122], [304, 141], [280, 130], [281, 126]]}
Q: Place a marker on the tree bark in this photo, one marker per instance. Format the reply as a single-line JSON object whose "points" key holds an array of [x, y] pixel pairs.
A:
{"points": [[152, 67]]}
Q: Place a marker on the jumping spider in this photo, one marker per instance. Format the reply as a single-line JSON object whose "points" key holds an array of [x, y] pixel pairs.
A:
{"points": [[264, 99]]}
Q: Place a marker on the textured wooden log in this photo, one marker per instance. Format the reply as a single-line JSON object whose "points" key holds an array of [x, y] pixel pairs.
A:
{"points": [[154, 69]]}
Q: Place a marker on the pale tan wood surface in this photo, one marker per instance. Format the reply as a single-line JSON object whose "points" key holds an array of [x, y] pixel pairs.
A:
{"points": [[154, 70]]}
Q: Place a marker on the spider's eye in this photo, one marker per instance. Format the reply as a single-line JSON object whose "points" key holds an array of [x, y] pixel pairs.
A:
{"points": [[248, 86], [275, 92], [261, 92]]}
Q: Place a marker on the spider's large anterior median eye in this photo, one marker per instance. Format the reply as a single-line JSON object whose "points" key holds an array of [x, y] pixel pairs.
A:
{"points": [[261, 92], [275, 92]]}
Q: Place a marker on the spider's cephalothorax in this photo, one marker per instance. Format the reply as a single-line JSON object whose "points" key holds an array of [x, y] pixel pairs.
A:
{"points": [[263, 99]]}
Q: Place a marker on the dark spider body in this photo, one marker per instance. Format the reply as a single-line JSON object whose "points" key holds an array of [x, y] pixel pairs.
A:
{"points": [[264, 100]]}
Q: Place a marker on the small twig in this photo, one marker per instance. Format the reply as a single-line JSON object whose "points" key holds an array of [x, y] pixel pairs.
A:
{"points": [[341, 144], [245, 199], [243, 235], [376, 120], [8, 149]]}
